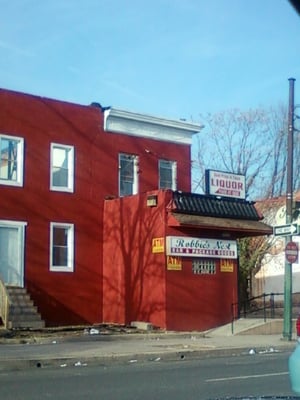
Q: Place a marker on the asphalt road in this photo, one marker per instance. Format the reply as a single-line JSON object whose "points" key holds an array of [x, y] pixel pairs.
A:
{"points": [[212, 378]]}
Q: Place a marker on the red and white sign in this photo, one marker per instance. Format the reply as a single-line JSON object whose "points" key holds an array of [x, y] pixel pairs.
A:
{"points": [[196, 247], [291, 252], [225, 184]]}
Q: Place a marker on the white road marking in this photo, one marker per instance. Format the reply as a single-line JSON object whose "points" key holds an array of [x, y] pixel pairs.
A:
{"points": [[232, 378]]}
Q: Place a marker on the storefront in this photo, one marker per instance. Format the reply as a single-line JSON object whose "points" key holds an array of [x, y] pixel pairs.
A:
{"points": [[171, 258]]}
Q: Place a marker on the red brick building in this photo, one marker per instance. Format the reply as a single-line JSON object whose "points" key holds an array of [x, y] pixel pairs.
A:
{"points": [[77, 228]]}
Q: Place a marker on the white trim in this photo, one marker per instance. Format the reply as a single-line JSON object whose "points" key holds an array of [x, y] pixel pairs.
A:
{"points": [[4, 222], [70, 266], [174, 171], [70, 149], [143, 125], [20, 161]]}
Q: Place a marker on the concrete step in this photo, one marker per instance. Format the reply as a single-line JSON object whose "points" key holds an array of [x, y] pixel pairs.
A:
{"points": [[21, 303], [26, 324], [20, 296], [10, 288], [22, 311], [25, 317], [17, 291]]}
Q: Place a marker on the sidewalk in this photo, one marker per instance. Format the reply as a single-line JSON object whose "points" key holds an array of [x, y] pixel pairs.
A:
{"points": [[93, 347]]}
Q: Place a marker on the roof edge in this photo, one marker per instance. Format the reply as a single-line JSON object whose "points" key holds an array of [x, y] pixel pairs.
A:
{"points": [[145, 125]]}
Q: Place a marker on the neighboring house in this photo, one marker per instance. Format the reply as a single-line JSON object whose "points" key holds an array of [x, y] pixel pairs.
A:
{"points": [[98, 224], [270, 276]]}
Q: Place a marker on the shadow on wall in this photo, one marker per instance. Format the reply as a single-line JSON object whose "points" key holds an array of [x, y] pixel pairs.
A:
{"points": [[134, 285], [54, 312]]}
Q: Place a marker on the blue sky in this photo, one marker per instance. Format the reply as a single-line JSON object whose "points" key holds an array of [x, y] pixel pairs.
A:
{"points": [[171, 58]]}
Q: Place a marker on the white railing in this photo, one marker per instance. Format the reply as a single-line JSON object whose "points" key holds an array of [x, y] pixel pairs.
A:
{"points": [[4, 304]]}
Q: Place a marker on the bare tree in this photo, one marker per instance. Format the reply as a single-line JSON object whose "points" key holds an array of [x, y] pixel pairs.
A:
{"points": [[251, 143], [252, 251], [275, 182]]}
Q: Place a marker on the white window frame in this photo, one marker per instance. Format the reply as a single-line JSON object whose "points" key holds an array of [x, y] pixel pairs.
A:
{"points": [[70, 167], [20, 161], [134, 159], [173, 165], [70, 247]]}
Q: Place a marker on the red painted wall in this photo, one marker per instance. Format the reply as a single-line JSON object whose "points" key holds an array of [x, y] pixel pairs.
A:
{"points": [[134, 287], [199, 302], [137, 284], [74, 298], [61, 296]]}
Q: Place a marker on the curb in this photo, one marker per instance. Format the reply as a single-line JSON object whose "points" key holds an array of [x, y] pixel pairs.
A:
{"points": [[129, 358], [47, 336]]}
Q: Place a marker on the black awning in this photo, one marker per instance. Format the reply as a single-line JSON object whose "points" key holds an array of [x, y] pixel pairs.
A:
{"points": [[237, 227], [211, 206]]}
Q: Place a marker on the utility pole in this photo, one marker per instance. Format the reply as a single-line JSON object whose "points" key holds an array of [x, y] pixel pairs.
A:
{"points": [[287, 316]]}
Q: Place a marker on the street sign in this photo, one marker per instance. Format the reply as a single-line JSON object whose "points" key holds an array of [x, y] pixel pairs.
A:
{"points": [[291, 252], [285, 230]]}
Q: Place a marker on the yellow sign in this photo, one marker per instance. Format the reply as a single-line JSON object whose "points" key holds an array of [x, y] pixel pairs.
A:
{"points": [[226, 265], [174, 263], [158, 245]]}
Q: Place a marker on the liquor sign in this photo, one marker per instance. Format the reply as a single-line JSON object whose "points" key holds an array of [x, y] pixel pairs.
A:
{"points": [[225, 184], [196, 247]]}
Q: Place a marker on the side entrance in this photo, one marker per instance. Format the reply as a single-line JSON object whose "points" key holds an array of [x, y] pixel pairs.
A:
{"points": [[12, 238]]}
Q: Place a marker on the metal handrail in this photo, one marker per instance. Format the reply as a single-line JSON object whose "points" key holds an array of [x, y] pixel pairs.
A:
{"points": [[263, 302]]}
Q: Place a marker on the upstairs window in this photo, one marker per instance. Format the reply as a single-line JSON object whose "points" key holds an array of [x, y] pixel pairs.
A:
{"points": [[128, 174], [167, 174], [11, 160], [61, 247], [62, 168]]}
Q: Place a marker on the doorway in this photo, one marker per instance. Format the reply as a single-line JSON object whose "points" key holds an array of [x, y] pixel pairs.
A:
{"points": [[12, 240]]}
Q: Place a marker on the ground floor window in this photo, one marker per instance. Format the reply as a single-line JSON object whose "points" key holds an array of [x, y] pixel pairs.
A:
{"points": [[61, 247], [204, 266]]}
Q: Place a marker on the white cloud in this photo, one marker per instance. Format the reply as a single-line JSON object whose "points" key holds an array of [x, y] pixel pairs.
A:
{"points": [[15, 49]]}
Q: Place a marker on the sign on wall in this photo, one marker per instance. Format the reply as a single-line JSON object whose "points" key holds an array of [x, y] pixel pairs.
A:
{"points": [[199, 247], [226, 265], [174, 263], [158, 245], [225, 184]]}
